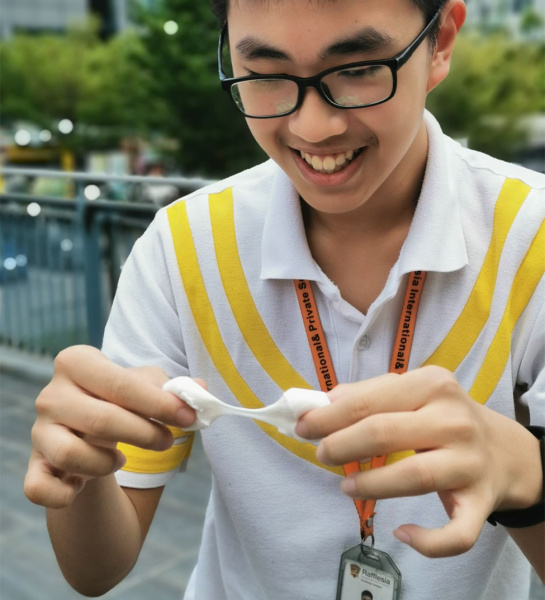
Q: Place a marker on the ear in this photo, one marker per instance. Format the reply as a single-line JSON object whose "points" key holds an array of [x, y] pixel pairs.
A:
{"points": [[452, 19]]}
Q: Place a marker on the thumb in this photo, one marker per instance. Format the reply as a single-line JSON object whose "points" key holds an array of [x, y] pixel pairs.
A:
{"points": [[456, 537]]}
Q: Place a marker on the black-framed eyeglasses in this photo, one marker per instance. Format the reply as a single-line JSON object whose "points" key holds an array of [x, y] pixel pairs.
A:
{"points": [[353, 85]]}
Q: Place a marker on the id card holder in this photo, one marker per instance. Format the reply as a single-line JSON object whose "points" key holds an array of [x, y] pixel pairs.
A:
{"points": [[368, 574]]}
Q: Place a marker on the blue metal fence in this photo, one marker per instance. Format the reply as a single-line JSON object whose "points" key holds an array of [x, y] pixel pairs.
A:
{"points": [[60, 258]]}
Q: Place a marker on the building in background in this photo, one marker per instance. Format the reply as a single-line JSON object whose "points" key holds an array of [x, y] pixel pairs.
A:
{"points": [[35, 16], [56, 16], [503, 13], [39, 16], [113, 15]]}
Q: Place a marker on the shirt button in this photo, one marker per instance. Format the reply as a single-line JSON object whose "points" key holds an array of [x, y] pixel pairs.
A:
{"points": [[364, 343]]}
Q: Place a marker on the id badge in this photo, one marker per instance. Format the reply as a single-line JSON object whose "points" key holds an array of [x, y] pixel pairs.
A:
{"points": [[368, 574]]}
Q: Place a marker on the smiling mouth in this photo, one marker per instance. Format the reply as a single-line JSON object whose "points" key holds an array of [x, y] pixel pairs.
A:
{"points": [[330, 163]]}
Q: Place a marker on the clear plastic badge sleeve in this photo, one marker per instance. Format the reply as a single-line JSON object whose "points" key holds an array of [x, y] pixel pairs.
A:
{"points": [[368, 574]]}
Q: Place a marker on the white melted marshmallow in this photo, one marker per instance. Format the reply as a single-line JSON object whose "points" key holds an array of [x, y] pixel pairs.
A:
{"points": [[283, 414]]}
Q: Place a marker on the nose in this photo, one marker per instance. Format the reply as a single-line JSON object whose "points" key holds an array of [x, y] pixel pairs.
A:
{"points": [[316, 120]]}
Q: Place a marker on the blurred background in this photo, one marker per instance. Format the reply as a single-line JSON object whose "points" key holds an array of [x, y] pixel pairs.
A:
{"points": [[110, 109]]}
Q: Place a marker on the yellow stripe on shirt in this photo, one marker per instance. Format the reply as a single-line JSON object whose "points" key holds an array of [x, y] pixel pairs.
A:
{"points": [[240, 299], [140, 460], [207, 325], [465, 331], [525, 282], [246, 314]]}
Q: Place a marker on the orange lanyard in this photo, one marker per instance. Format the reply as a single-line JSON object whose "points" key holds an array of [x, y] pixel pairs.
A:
{"points": [[326, 374]]}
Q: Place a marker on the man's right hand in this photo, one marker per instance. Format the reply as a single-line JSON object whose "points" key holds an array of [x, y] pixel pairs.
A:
{"points": [[89, 406]]}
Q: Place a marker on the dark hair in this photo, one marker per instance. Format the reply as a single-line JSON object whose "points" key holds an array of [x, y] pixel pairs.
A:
{"points": [[427, 7], [367, 593]]}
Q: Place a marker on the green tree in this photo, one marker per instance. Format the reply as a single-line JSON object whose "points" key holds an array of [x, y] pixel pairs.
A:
{"points": [[75, 76], [531, 22], [181, 69], [141, 83], [116, 90], [42, 76], [494, 81], [147, 83]]}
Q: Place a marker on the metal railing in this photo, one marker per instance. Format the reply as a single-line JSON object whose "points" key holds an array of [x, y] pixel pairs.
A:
{"points": [[60, 258]]}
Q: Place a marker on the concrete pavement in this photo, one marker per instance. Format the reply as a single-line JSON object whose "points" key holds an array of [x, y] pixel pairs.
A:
{"points": [[28, 569]]}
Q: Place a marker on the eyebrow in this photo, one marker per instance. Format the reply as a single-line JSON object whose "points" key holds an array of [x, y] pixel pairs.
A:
{"points": [[251, 48], [367, 40]]}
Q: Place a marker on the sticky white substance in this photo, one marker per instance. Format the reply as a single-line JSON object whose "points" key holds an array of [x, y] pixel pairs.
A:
{"points": [[283, 414]]}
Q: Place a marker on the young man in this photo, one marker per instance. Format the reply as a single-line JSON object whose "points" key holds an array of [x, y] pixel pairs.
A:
{"points": [[369, 206]]}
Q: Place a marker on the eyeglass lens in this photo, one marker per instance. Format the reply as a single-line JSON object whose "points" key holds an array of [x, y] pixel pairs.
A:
{"points": [[351, 88]]}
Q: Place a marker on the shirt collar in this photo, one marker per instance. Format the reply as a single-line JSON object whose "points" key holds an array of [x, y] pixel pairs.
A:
{"points": [[435, 241], [284, 248]]}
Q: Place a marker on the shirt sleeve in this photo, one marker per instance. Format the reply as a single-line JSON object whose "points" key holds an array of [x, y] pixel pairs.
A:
{"points": [[144, 330]]}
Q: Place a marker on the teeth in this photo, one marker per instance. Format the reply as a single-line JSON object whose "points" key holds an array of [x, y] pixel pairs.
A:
{"points": [[328, 164], [316, 163]]}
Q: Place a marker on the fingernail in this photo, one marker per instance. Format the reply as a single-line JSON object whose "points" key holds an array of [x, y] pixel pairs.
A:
{"points": [[301, 429], [403, 536], [321, 455], [348, 486]]}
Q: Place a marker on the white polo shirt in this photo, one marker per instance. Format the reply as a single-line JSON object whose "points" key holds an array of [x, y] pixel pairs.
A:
{"points": [[208, 291]]}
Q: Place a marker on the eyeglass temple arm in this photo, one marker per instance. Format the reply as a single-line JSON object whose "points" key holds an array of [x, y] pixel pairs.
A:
{"points": [[404, 57], [223, 33]]}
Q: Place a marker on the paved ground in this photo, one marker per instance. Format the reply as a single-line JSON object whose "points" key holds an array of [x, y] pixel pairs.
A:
{"points": [[28, 570]]}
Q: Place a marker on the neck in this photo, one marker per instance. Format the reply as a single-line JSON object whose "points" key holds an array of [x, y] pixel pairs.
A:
{"points": [[357, 250], [375, 222]]}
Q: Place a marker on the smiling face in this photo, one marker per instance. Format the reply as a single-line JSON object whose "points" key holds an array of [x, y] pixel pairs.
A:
{"points": [[340, 161]]}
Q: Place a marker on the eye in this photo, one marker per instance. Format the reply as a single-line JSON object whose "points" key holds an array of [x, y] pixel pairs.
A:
{"points": [[250, 73], [361, 72], [265, 83]]}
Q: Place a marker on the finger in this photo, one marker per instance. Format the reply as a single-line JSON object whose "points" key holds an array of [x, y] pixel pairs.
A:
{"points": [[423, 473], [456, 537], [158, 376], [154, 375], [67, 452], [101, 420], [353, 402], [388, 433], [42, 486], [127, 388]]}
